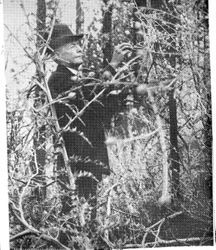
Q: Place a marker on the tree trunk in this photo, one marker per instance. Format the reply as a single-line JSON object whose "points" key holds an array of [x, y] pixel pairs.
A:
{"points": [[106, 30], [41, 21], [174, 153], [79, 17]]}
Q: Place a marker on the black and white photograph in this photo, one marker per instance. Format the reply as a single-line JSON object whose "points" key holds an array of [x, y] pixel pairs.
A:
{"points": [[108, 124]]}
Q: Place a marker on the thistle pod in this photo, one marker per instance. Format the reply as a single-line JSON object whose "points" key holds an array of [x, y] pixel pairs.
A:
{"points": [[91, 74], [72, 95], [127, 32], [141, 89], [107, 75], [137, 25]]}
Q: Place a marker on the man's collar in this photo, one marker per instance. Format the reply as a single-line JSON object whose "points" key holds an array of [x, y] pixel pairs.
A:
{"points": [[73, 71]]}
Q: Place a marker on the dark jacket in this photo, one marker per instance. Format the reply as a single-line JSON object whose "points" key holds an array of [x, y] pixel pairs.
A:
{"points": [[88, 148]]}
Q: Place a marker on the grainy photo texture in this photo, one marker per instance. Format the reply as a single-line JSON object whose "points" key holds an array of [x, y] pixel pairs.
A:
{"points": [[109, 134]]}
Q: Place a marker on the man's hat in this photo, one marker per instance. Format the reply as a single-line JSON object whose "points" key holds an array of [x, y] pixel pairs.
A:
{"points": [[61, 35]]}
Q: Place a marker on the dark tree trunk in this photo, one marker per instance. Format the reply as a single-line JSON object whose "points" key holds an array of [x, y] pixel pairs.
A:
{"points": [[41, 21], [107, 29], [201, 7], [173, 131], [174, 153], [79, 17]]}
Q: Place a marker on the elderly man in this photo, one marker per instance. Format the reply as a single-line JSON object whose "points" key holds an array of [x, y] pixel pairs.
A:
{"points": [[84, 138]]}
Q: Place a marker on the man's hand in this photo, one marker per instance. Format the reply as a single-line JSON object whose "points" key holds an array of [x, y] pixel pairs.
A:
{"points": [[119, 52]]}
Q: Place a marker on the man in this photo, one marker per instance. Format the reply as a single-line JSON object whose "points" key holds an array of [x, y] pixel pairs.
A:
{"points": [[83, 137]]}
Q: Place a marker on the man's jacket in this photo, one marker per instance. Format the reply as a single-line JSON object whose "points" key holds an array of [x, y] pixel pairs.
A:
{"points": [[85, 143]]}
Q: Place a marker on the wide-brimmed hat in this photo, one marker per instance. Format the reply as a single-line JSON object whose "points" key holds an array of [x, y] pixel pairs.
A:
{"points": [[61, 35]]}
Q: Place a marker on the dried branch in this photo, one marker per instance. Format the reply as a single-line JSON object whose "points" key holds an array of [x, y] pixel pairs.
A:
{"points": [[152, 85], [83, 109], [158, 232], [111, 188], [24, 49], [108, 242], [26, 16], [108, 213], [112, 140], [51, 29], [33, 231], [41, 236], [123, 212], [159, 223], [23, 193], [20, 235], [125, 67], [160, 241]]}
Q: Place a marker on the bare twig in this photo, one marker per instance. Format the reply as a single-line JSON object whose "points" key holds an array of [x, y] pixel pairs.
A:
{"points": [[111, 188], [31, 230], [26, 16], [23, 193], [18, 41], [149, 229], [160, 241], [51, 29], [158, 232], [123, 212], [83, 109], [41, 236], [108, 212], [108, 242], [125, 67], [112, 141], [152, 85], [20, 235]]}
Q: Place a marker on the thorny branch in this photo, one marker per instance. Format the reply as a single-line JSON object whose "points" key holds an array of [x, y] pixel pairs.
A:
{"points": [[30, 229], [160, 241], [78, 114], [111, 141], [23, 193]]}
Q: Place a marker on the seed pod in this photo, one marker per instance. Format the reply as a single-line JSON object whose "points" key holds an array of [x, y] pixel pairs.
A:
{"points": [[141, 89], [127, 32], [137, 25], [91, 74], [107, 75], [72, 95]]}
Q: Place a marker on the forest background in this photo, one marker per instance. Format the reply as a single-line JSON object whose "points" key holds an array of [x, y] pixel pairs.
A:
{"points": [[212, 76]]}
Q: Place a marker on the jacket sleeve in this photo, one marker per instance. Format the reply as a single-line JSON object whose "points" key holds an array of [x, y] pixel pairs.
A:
{"points": [[59, 83]]}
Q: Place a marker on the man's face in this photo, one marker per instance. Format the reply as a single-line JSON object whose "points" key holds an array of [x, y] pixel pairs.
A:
{"points": [[70, 54]]}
